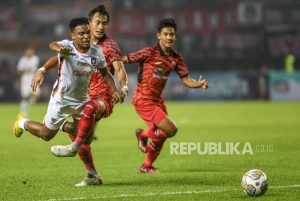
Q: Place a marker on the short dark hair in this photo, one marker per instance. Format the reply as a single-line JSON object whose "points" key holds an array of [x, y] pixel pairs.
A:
{"points": [[166, 22], [78, 21], [99, 9]]}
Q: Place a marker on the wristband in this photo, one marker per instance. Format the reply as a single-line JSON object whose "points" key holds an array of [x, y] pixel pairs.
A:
{"points": [[42, 69], [125, 87]]}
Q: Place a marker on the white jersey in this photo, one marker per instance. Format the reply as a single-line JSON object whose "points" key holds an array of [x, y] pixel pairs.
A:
{"points": [[28, 65], [75, 72], [70, 91]]}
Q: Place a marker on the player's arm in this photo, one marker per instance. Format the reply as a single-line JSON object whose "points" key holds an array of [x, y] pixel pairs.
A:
{"points": [[38, 77], [138, 56], [109, 79], [191, 83], [62, 50], [122, 77]]}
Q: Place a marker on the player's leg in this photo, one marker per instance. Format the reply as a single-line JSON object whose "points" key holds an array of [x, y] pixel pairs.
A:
{"points": [[159, 116], [85, 126], [85, 154], [39, 130], [162, 128], [150, 115], [47, 130], [153, 151], [35, 128], [86, 123]]}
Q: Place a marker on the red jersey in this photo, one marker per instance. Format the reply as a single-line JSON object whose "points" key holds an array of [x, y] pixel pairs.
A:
{"points": [[154, 70], [112, 53]]}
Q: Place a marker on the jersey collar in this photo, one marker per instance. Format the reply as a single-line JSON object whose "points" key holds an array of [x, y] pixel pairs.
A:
{"points": [[161, 52], [102, 39]]}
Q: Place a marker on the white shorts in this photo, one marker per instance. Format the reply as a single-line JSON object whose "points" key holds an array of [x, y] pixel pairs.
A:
{"points": [[59, 110]]}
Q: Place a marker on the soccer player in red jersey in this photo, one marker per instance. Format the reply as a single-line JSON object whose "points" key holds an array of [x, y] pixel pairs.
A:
{"points": [[99, 21], [156, 63]]}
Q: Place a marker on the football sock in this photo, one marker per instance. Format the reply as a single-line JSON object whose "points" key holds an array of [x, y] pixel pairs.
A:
{"points": [[85, 154], [87, 121], [72, 138], [153, 151], [154, 133], [22, 123]]}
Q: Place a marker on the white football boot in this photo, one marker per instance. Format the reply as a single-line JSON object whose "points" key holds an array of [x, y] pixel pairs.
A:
{"points": [[63, 151], [90, 180]]}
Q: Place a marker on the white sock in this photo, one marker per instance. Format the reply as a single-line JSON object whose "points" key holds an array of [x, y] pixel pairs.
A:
{"points": [[75, 146], [22, 123]]}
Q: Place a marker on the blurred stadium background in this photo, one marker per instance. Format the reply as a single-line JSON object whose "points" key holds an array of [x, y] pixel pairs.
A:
{"points": [[246, 49]]}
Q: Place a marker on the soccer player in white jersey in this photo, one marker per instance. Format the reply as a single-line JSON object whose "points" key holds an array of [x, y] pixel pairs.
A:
{"points": [[78, 60], [26, 67]]}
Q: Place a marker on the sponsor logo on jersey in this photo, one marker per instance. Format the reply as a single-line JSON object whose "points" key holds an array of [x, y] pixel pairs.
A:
{"points": [[160, 73], [81, 73], [83, 64]]}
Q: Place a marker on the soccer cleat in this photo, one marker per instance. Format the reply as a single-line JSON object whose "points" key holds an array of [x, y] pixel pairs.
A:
{"points": [[90, 180], [63, 151], [16, 129], [151, 169], [142, 142]]}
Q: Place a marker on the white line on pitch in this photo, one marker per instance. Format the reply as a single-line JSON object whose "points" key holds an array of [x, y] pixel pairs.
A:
{"points": [[163, 193]]}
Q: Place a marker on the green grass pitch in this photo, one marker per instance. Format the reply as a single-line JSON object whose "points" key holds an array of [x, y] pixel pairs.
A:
{"points": [[28, 170]]}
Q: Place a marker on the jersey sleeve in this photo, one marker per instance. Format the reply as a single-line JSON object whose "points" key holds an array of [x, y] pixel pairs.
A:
{"points": [[140, 55], [181, 68], [113, 52], [65, 43]]}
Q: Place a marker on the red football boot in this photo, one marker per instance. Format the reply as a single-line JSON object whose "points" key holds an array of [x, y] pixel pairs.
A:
{"points": [[151, 169]]}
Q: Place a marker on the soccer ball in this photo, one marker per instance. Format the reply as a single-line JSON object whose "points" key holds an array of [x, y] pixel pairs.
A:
{"points": [[255, 183]]}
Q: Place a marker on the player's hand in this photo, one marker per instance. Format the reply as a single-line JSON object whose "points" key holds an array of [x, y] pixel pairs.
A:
{"points": [[66, 51], [116, 97], [37, 79], [124, 93], [202, 83]]}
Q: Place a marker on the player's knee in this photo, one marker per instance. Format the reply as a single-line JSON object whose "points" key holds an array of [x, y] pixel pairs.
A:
{"points": [[172, 132], [91, 108]]}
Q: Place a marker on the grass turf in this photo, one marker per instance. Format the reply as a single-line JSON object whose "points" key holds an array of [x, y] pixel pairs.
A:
{"points": [[28, 171]]}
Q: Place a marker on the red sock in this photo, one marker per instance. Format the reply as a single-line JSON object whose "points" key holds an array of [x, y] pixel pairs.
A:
{"points": [[154, 133], [85, 154], [71, 137], [87, 122], [153, 151]]}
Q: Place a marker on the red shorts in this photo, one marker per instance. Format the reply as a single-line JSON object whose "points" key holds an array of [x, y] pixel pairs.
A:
{"points": [[151, 113], [109, 105]]}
